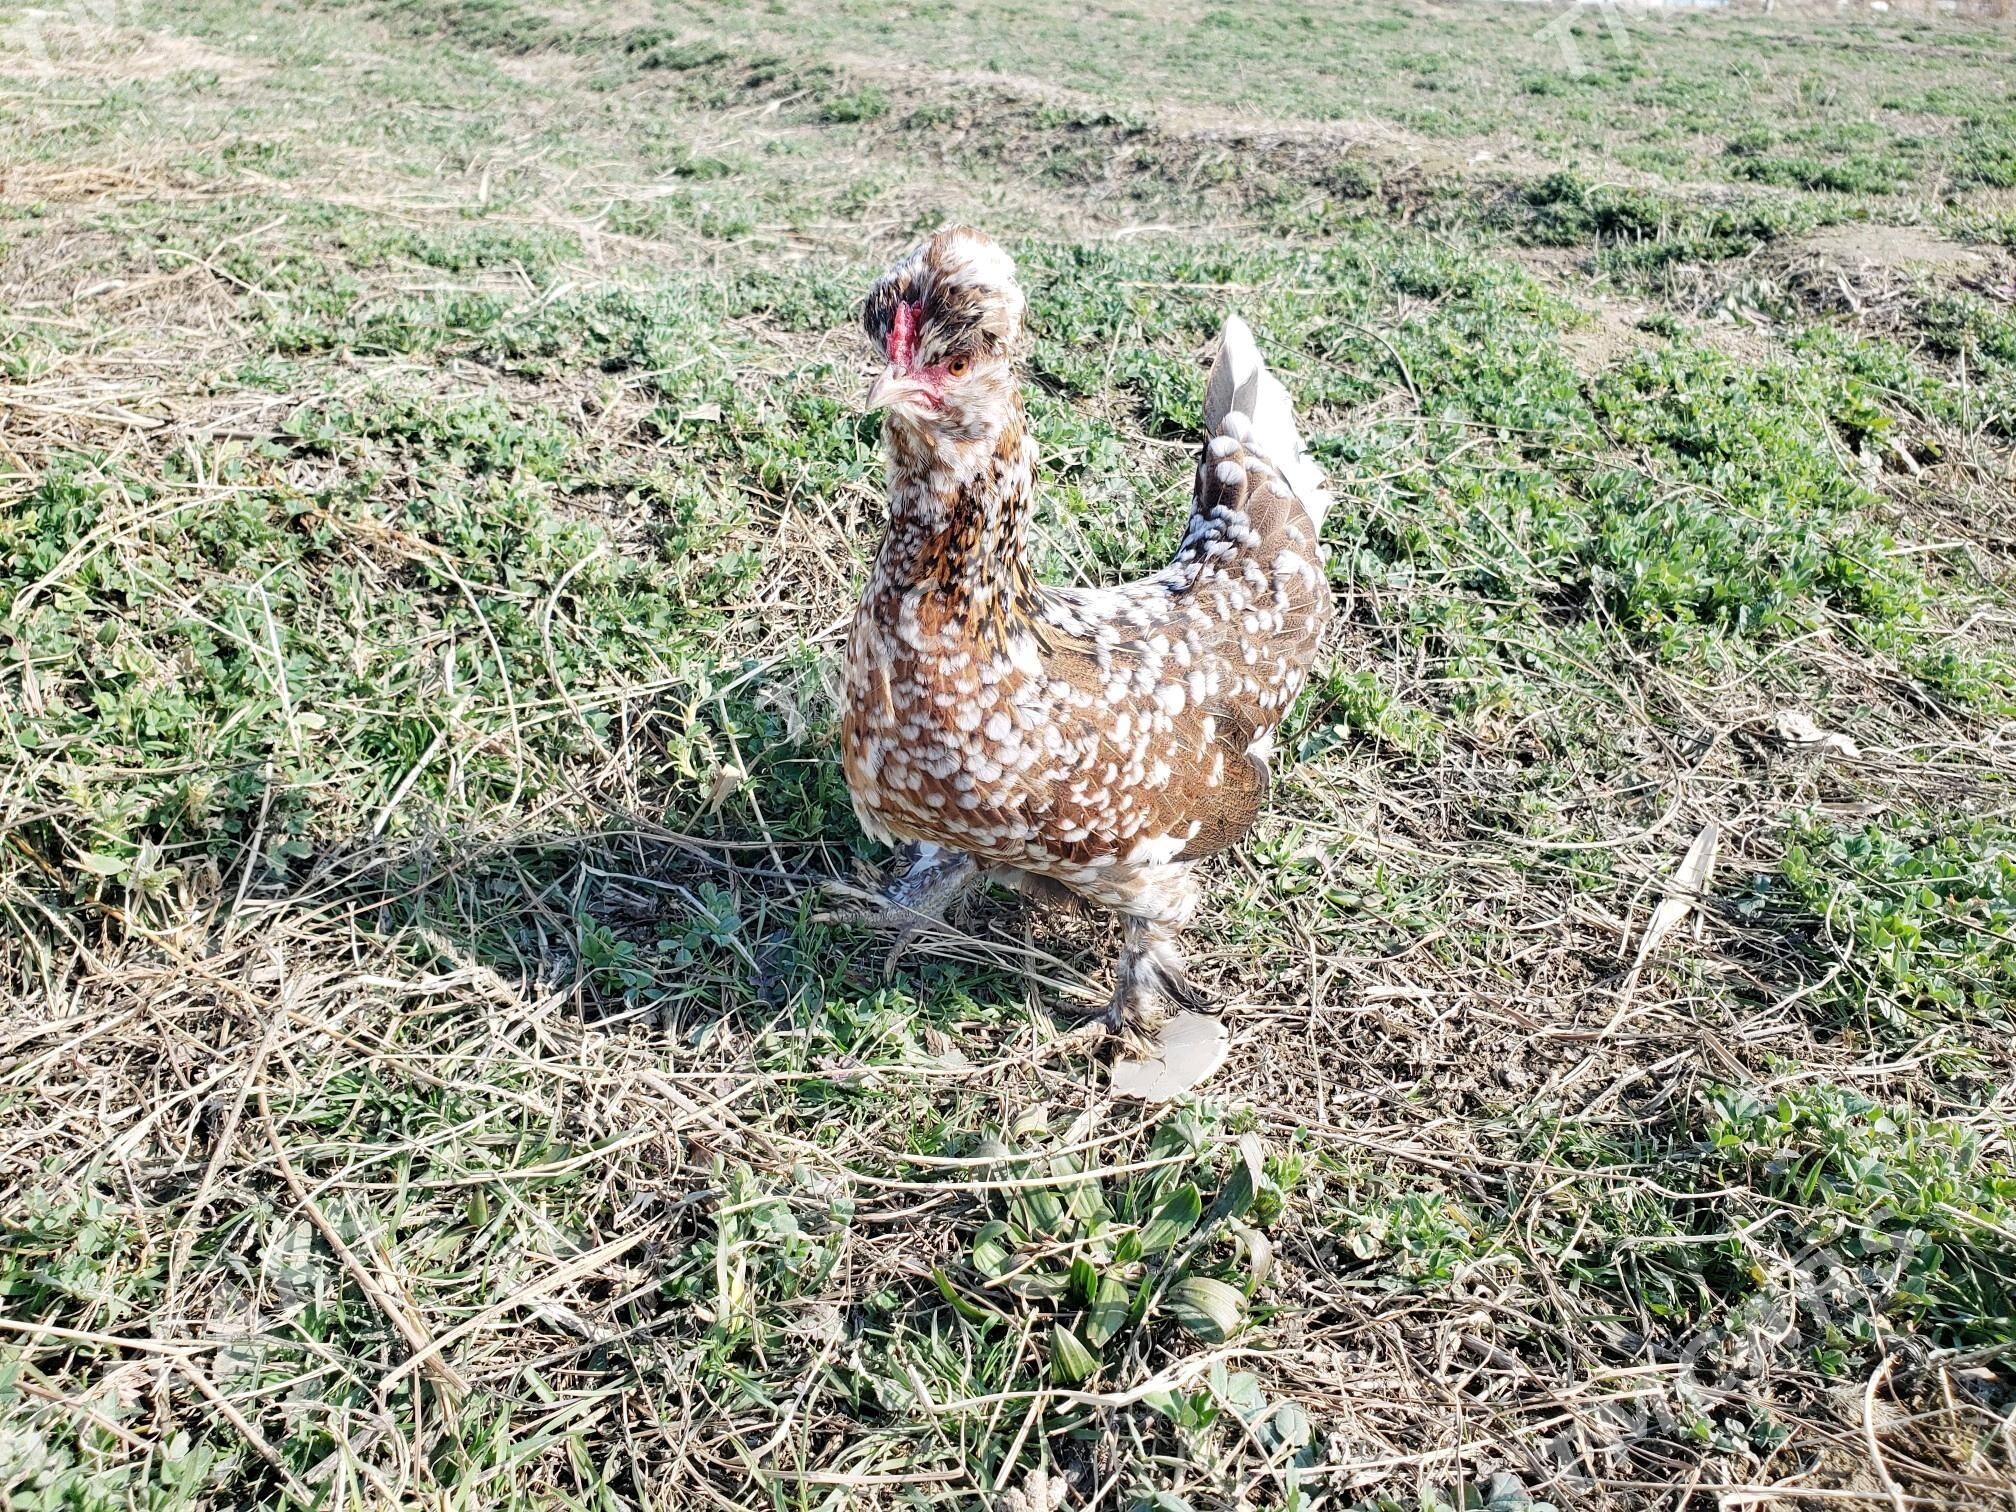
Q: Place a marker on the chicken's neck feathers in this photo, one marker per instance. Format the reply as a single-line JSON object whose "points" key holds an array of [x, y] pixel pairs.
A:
{"points": [[959, 513]]}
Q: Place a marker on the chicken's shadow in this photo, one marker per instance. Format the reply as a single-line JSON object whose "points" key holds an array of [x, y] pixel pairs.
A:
{"points": [[689, 939]]}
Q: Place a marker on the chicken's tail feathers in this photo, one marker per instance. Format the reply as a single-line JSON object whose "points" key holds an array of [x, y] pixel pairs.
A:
{"points": [[1240, 381]]}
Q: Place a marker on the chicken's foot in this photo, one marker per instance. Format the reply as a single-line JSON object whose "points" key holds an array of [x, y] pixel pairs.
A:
{"points": [[934, 880]]}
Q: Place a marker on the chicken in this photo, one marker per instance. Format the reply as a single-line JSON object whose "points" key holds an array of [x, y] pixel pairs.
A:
{"points": [[1097, 741]]}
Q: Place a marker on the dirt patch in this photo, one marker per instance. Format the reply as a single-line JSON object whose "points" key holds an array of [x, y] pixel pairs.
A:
{"points": [[1076, 140], [1986, 202], [1312, 147], [1876, 274], [1882, 276], [1614, 331], [1865, 249], [53, 272], [1615, 328], [45, 184], [39, 46], [612, 18], [545, 69]]}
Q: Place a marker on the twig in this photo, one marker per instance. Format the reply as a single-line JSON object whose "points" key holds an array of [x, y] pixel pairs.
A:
{"points": [[1869, 1435], [246, 1431], [422, 1349], [429, 1354]]}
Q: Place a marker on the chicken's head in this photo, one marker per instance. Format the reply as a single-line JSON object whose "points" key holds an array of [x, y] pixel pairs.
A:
{"points": [[945, 319]]}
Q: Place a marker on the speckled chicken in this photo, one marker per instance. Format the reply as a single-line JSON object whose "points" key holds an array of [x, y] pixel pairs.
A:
{"points": [[1099, 739]]}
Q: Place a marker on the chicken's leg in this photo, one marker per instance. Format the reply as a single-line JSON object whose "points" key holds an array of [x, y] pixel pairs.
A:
{"points": [[935, 879], [1151, 979]]}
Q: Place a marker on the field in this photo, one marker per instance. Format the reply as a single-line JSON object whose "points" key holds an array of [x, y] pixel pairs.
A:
{"points": [[433, 486]]}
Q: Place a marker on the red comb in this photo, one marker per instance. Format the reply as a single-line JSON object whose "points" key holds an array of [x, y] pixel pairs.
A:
{"points": [[903, 335]]}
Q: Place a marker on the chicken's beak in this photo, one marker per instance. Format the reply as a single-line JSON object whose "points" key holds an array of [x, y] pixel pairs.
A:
{"points": [[891, 387]]}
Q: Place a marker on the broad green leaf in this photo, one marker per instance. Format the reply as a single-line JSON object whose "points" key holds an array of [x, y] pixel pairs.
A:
{"points": [[1242, 1389], [1084, 1280], [1258, 1251], [1172, 1220], [1290, 1425], [972, 1312], [1070, 1360], [1243, 1185], [1185, 1410], [1085, 1202], [1037, 1211], [1034, 1286], [1207, 1307], [992, 1252], [1108, 1312]]}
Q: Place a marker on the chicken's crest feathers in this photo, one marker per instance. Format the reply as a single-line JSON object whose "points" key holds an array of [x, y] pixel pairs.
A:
{"points": [[953, 294]]}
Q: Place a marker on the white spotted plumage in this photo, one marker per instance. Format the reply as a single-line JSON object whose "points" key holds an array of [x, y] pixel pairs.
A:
{"points": [[1103, 738]]}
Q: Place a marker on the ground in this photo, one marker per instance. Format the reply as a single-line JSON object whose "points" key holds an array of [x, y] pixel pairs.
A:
{"points": [[432, 487]]}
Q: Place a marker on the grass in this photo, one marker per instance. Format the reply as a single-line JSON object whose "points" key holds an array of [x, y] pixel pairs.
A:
{"points": [[432, 490]]}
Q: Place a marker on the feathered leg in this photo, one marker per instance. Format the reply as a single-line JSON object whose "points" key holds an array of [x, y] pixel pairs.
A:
{"points": [[1151, 979]]}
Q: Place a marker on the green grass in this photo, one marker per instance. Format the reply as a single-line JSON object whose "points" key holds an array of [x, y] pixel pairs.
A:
{"points": [[432, 489]]}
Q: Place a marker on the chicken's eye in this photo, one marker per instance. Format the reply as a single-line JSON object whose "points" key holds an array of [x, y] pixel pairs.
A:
{"points": [[959, 366]]}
